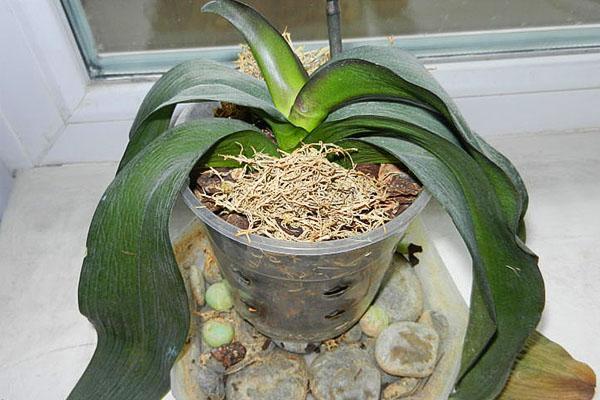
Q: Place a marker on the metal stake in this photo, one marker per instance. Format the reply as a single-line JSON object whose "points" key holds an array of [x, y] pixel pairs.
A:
{"points": [[333, 26]]}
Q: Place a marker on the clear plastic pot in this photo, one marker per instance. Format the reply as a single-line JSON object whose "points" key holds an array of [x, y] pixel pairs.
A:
{"points": [[303, 292]]}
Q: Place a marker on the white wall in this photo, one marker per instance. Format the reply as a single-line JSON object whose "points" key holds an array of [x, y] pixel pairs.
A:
{"points": [[6, 182], [42, 80]]}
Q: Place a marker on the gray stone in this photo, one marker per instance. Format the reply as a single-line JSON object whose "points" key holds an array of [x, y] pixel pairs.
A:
{"points": [[197, 285], [211, 380], [255, 343], [401, 294], [401, 388], [368, 344], [347, 373], [407, 349], [212, 272], [297, 347], [197, 376], [440, 324], [353, 335], [274, 376]]}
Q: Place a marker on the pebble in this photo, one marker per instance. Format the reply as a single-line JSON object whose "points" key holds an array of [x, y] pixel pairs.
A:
{"points": [[401, 294], [400, 388], [374, 321], [212, 273], [368, 344], [407, 349], [194, 379], [197, 285], [347, 373], [297, 347], [217, 332], [254, 341], [218, 296], [211, 379], [275, 376], [353, 335], [440, 324]]}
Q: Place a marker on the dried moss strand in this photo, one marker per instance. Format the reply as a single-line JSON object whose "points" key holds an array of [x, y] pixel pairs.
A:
{"points": [[302, 196], [311, 59]]}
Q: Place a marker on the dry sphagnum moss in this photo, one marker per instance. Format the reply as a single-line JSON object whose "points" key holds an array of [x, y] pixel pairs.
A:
{"points": [[302, 196], [311, 59]]}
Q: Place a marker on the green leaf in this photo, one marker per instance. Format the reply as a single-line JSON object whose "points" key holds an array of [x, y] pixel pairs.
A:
{"points": [[389, 74], [193, 81], [408, 113], [431, 92], [365, 153], [287, 135], [482, 324], [508, 279], [341, 82], [235, 144], [130, 287], [278, 63]]}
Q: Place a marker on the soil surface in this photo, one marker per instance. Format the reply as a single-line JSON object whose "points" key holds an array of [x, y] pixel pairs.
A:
{"points": [[401, 187]]}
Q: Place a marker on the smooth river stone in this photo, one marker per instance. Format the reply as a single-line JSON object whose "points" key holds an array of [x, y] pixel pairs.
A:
{"points": [[407, 349], [401, 388], [197, 285], [353, 335], [276, 376], [440, 324], [401, 294], [347, 373], [297, 347], [368, 344], [192, 379]]}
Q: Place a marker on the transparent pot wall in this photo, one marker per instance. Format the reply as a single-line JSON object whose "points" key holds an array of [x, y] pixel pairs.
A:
{"points": [[305, 292]]}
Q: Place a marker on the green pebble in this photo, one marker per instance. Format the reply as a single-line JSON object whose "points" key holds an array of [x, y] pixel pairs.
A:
{"points": [[375, 320], [217, 333], [218, 296]]}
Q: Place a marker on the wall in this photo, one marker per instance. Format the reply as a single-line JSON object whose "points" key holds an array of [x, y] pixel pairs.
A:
{"points": [[42, 80], [6, 183]]}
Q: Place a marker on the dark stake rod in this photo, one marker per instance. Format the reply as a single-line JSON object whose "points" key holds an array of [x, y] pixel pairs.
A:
{"points": [[333, 25]]}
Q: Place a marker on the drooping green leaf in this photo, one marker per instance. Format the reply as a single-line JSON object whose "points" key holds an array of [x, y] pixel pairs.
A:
{"points": [[193, 81], [482, 325], [423, 89], [363, 153], [409, 113], [130, 287], [508, 277], [278, 63], [388, 74], [235, 144]]}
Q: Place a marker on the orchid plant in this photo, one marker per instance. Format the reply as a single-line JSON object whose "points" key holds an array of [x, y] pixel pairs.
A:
{"points": [[378, 100]]}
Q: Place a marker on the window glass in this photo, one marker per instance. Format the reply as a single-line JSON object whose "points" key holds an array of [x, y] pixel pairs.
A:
{"points": [[117, 27]]}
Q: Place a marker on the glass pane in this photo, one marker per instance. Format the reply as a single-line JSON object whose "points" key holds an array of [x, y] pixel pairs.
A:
{"points": [[124, 37], [140, 25]]}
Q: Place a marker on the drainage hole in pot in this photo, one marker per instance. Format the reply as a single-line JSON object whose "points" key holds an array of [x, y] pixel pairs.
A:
{"points": [[243, 279], [335, 314], [336, 291], [249, 306]]}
